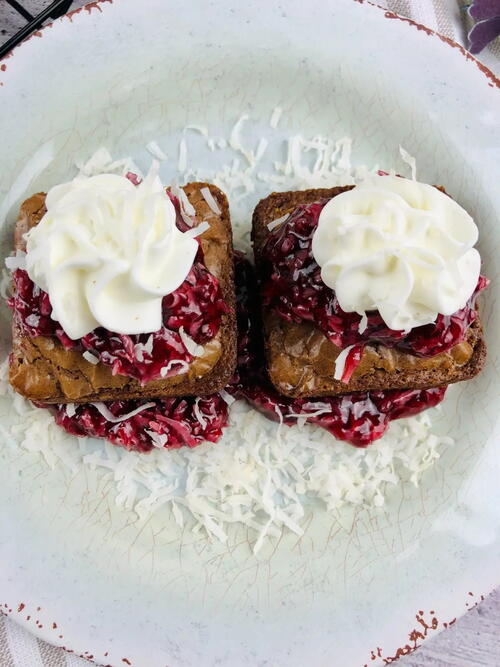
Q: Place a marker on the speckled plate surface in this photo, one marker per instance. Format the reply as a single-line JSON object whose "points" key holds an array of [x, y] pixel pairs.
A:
{"points": [[360, 586]]}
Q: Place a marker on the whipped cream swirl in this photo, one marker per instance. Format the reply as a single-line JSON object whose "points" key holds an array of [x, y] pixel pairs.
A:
{"points": [[398, 246], [107, 252]]}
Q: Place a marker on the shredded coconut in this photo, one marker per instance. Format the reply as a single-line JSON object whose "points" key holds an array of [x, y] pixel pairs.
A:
{"points": [[261, 148], [276, 223], [363, 323], [148, 345], [209, 198], [198, 413], [156, 151], [5, 284], [198, 230], [340, 362], [410, 161], [275, 117], [91, 358], [184, 367], [158, 439], [101, 162], [191, 346], [17, 261], [236, 143], [226, 397], [107, 414], [202, 129], [186, 205], [182, 162], [33, 320]]}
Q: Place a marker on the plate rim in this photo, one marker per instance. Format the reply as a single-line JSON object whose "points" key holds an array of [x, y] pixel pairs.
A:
{"points": [[11, 610]]}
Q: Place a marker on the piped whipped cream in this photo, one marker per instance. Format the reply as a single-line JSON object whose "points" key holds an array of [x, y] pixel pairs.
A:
{"points": [[398, 246], [108, 251]]}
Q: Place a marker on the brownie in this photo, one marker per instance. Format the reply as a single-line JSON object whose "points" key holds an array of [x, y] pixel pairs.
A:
{"points": [[41, 369], [301, 359]]}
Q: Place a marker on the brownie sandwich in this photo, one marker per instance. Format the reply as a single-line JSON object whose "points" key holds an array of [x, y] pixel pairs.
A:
{"points": [[123, 303], [367, 288]]}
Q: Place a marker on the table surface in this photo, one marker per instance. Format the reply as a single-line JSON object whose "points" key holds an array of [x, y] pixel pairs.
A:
{"points": [[474, 640]]}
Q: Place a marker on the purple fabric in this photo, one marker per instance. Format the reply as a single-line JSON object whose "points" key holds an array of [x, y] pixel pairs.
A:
{"points": [[487, 28], [482, 10], [483, 33]]}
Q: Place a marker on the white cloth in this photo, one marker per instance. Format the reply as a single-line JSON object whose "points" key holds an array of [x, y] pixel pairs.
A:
{"points": [[19, 648]]}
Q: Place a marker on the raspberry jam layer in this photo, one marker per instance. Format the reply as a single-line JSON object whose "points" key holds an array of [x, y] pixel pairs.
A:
{"points": [[167, 423], [195, 309], [292, 285], [358, 418]]}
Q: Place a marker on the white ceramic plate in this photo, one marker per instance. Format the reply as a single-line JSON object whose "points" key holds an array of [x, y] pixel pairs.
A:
{"points": [[74, 569]]}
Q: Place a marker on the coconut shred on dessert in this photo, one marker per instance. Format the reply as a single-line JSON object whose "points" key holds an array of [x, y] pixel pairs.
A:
{"points": [[367, 288], [124, 291]]}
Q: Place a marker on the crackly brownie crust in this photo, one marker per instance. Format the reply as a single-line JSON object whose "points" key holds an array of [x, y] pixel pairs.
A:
{"points": [[43, 370], [301, 359]]}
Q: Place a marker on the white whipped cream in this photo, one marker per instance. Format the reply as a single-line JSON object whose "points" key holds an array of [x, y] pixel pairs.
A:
{"points": [[398, 246], [107, 252]]}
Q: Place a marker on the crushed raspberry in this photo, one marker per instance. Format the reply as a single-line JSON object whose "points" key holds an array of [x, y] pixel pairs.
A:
{"points": [[197, 306], [133, 178], [359, 418], [170, 423], [351, 362], [292, 285]]}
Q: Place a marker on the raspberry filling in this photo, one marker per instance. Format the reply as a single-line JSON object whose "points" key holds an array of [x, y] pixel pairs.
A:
{"points": [[193, 310], [170, 423], [165, 423], [358, 418], [292, 285]]}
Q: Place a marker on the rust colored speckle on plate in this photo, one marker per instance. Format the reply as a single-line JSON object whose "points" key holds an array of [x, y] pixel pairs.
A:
{"points": [[416, 636], [424, 627], [88, 8], [494, 82], [39, 33]]}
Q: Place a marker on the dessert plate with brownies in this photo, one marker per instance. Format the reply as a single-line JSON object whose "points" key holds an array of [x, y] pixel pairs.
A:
{"points": [[249, 383]]}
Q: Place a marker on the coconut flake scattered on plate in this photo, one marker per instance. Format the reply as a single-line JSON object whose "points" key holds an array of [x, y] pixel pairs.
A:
{"points": [[275, 117], [410, 161], [253, 475], [156, 151]]}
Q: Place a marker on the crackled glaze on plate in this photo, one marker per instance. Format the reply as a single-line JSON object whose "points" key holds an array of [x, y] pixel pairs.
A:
{"points": [[142, 594]]}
